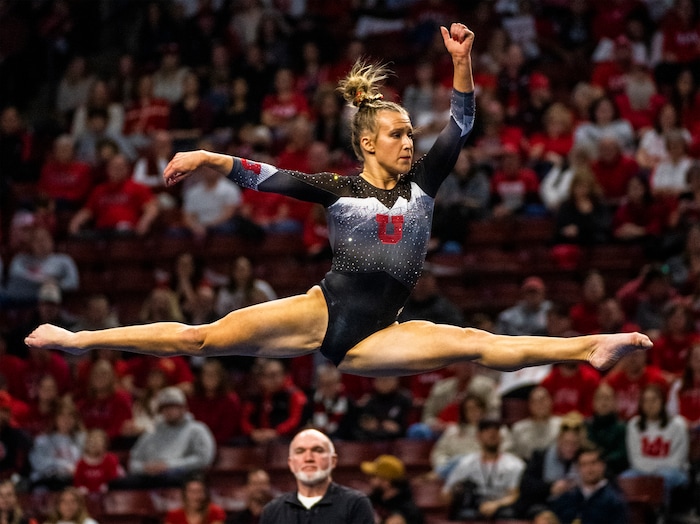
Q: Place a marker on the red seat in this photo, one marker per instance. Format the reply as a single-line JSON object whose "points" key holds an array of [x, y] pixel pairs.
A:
{"points": [[415, 454], [427, 494], [239, 459]]}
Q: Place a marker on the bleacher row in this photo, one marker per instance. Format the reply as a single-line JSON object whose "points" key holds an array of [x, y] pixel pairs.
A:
{"points": [[486, 277]]}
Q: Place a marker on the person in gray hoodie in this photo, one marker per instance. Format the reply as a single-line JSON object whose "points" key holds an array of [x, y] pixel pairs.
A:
{"points": [[178, 447]]}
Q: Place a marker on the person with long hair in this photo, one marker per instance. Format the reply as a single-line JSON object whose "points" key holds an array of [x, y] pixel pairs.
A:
{"points": [[197, 507], [213, 403], [380, 222], [684, 396], [70, 508], [10, 509]]}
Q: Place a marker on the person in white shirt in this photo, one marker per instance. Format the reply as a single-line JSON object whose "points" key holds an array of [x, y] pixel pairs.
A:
{"points": [[540, 429], [211, 205], [669, 175], [656, 443]]}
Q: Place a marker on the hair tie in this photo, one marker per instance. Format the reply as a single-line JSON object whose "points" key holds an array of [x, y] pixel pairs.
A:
{"points": [[362, 98]]}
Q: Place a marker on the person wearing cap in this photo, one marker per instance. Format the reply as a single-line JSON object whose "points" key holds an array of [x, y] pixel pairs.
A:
{"points": [[484, 484], [529, 316], [317, 499], [391, 491], [178, 447]]}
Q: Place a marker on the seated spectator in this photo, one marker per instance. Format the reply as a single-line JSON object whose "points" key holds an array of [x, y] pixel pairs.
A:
{"points": [[571, 386], [678, 335], [639, 102], [11, 511], [611, 318], [276, 410], [196, 505], [210, 205], [657, 444], [390, 489], [539, 429], [607, 431], [149, 168], [555, 142], [552, 471], [179, 446], [192, 116], [258, 492], [514, 188], [613, 168], [146, 113], [669, 177], [144, 407], [640, 217], [461, 437], [652, 144], [88, 143], [529, 316], [584, 313], [202, 310], [162, 305], [73, 88], [98, 314], [55, 454], [15, 442], [99, 97], [631, 375], [213, 403], [383, 414], [64, 179], [656, 292], [593, 499], [283, 105], [243, 288], [41, 265], [39, 364], [427, 302], [582, 219], [684, 268], [555, 187], [42, 408], [687, 213], [188, 272], [330, 409], [70, 508], [484, 484], [105, 405], [604, 120], [118, 206], [684, 395], [175, 370], [97, 466]]}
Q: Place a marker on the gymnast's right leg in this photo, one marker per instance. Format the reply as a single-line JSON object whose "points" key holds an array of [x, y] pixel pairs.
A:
{"points": [[287, 327]]}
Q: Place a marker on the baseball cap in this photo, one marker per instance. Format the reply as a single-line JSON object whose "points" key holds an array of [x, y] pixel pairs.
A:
{"points": [[171, 396], [50, 293], [387, 467], [533, 283]]}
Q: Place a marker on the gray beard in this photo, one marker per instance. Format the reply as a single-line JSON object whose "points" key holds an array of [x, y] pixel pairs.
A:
{"points": [[315, 478]]}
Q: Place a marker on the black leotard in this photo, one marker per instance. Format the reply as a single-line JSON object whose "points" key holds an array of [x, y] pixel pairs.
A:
{"points": [[379, 237]]}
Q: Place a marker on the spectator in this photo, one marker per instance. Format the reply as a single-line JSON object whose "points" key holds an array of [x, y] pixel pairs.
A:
{"points": [[192, 117], [611, 318], [682, 267], [607, 431], [552, 471], [514, 188], [652, 144], [178, 447], [188, 273], [678, 335], [593, 499], [42, 408], [97, 467], [276, 410], [196, 505], [169, 78], [427, 302], [149, 168], [119, 205], [211, 205], [669, 177], [64, 179], [56, 453], [28, 272], [146, 113], [629, 378], [243, 288], [684, 397], [657, 444], [656, 292], [484, 484], [390, 489], [11, 511], [555, 187], [40, 363], [539, 429], [99, 97], [202, 310], [15, 442], [283, 105], [73, 88], [584, 313], [318, 499], [258, 492], [70, 508], [383, 414], [330, 409], [640, 217], [88, 144], [214, 404], [555, 142], [604, 120], [175, 370], [98, 314], [462, 437], [582, 219], [529, 316], [571, 385]]}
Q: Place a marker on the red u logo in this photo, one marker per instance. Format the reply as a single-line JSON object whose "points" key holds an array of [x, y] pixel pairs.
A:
{"points": [[396, 222]]}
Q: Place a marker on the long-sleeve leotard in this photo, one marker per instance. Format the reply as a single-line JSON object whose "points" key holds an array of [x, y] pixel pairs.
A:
{"points": [[379, 237]]}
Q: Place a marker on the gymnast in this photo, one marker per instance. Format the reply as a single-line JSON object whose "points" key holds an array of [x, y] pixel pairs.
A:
{"points": [[379, 225]]}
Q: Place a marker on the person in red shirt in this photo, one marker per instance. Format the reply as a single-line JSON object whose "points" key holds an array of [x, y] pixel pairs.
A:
{"points": [[678, 335], [556, 140], [640, 215], [176, 370], [97, 466], [64, 179], [276, 411], [118, 205], [611, 318], [283, 106], [104, 405], [629, 378], [43, 362], [213, 403], [41, 409], [584, 314], [611, 75], [571, 386], [146, 113], [513, 186], [613, 169], [684, 397], [83, 368], [196, 506]]}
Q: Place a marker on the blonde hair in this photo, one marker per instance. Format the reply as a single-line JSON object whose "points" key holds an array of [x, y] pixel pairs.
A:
{"points": [[81, 513], [360, 88]]}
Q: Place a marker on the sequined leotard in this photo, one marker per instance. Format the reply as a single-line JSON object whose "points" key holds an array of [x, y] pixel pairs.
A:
{"points": [[379, 237]]}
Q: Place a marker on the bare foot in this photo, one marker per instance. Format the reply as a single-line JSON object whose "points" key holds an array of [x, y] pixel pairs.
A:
{"points": [[608, 349], [48, 336]]}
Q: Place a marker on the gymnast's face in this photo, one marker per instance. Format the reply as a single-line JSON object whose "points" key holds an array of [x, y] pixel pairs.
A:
{"points": [[393, 143]]}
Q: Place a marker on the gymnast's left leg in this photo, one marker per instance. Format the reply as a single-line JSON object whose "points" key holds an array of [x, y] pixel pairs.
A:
{"points": [[419, 346]]}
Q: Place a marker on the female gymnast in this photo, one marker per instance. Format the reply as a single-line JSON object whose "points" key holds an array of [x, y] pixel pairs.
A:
{"points": [[380, 226]]}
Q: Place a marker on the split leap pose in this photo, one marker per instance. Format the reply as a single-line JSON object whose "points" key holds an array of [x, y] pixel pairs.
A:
{"points": [[379, 226]]}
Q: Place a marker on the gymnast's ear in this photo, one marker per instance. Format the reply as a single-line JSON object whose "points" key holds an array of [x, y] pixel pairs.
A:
{"points": [[367, 144]]}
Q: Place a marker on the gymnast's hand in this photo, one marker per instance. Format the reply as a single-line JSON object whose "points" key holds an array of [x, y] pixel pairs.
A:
{"points": [[182, 166], [48, 336], [458, 41]]}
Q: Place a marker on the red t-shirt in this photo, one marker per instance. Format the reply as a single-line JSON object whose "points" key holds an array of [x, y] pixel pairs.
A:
{"points": [[627, 391], [515, 190], [94, 477], [108, 414], [689, 403], [613, 178], [572, 393], [118, 205], [34, 370], [175, 369], [610, 76], [146, 116], [683, 42], [561, 145], [222, 414], [214, 514], [639, 118], [13, 368], [671, 353], [288, 109], [584, 318], [34, 422], [70, 182]]}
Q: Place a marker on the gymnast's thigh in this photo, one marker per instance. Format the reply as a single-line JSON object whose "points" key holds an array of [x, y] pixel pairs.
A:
{"points": [[286, 327]]}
